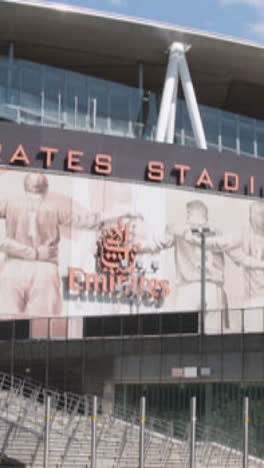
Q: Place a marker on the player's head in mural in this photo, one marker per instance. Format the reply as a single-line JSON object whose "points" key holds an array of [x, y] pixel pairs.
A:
{"points": [[256, 217], [196, 213], [36, 185]]}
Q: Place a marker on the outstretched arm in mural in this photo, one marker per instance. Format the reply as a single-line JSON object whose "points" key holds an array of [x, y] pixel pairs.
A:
{"points": [[231, 244], [240, 258], [154, 242], [218, 243], [73, 215]]}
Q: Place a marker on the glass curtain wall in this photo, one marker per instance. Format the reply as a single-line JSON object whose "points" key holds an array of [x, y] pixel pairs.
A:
{"points": [[42, 95]]}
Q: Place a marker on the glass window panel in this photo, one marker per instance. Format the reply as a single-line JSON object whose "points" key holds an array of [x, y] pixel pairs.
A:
{"points": [[135, 108], [190, 141], [3, 60], [150, 324], [260, 139], [179, 114], [30, 95], [3, 83], [213, 146], [210, 120], [111, 326], [15, 85], [186, 122], [153, 111], [229, 132], [98, 91], [149, 115], [246, 134], [131, 325], [77, 100], [6, 330], [179, 121], [53, 88], [22, 329], [119, 108], [93, 326], [135, 113]]}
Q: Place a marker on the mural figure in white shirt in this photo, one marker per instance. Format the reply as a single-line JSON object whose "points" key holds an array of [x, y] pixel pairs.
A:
{"points": [[246, 249], [33, 222], [187, 255]]}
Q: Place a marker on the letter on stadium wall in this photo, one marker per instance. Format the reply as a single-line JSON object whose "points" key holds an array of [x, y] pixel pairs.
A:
{"points": [[231, 182], [49, 153], [181, 170], [204, 179], [73, 160], [19, 156], [103, 164], [155, 171]]}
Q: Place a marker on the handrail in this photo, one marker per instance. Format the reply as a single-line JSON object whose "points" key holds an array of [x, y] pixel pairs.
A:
{"points": [[29, 395], [70, 440], [26, 386]]}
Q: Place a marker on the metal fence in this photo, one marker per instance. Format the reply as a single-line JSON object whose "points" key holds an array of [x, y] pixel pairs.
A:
{"points": [[135, 439]]}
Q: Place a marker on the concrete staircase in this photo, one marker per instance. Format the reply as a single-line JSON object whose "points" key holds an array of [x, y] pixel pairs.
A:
{"points": [[22, 416]]}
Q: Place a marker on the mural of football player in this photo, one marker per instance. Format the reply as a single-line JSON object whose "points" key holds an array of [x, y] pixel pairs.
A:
{"points": [[187, 256], [27, 287], [246, 249]]}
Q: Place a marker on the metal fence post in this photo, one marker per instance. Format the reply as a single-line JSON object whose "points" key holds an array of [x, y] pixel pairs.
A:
{"points": [[47, 431], [12, 350], [142, 432], [93, 435], [193, 432], [245, 422]]}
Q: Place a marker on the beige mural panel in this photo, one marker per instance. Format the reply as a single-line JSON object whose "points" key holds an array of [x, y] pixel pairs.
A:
{"points": [[69, 246]]}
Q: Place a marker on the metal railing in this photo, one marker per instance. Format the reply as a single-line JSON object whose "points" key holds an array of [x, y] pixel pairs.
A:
{"points": [[22, 413], [37, 392]]}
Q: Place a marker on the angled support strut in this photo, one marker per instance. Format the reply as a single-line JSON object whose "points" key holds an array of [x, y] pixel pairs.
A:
{"points": [[178, 68]]}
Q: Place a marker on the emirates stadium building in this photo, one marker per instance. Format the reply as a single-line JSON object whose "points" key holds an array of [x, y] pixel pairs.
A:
{"points": [[132, 214]]}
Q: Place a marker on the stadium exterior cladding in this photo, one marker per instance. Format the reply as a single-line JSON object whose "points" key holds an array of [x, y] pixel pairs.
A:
{"points": [[100, 315]]}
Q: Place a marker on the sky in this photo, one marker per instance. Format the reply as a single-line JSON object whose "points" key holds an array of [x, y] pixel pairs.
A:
{"points": [[239, 18]]}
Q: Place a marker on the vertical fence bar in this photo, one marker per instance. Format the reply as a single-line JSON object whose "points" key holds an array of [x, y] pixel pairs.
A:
{"points": [[47, 351], [12, 350], [47, 431], [142, 432], [246, 423], [193, 432], [93, 437]]}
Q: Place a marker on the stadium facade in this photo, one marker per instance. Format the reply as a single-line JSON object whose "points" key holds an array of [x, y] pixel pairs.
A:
{"points": [[132, 232]]}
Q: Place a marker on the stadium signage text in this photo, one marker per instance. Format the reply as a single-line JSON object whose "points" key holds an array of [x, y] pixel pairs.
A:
{"points": [[102, 164], [123, 158]]}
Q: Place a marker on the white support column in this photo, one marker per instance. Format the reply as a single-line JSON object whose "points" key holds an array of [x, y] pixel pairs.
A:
{"points": [[172, 115], [191, 102], [167, 94], [177, 66]]}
